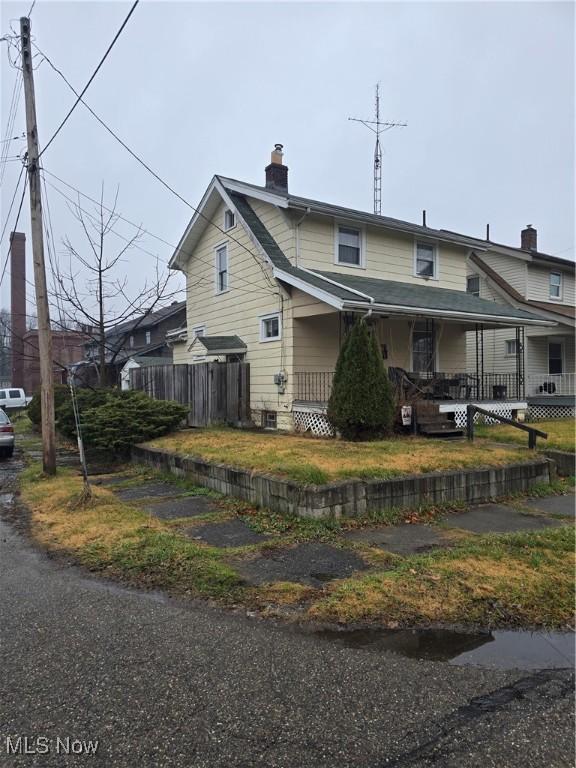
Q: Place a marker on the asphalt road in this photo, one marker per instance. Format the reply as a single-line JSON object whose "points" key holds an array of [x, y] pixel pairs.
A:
{"points": [[160, 682]]}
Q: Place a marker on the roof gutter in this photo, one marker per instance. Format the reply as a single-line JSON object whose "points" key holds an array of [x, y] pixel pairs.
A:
{"points": [[355, 305]]}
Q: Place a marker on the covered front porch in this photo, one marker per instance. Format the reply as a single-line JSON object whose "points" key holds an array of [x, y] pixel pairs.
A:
{"points": [[426, 362]]}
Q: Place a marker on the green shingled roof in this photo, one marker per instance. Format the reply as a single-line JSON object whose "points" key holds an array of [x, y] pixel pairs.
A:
{"points": [[259, 231], [391, 292], [214, 343]]}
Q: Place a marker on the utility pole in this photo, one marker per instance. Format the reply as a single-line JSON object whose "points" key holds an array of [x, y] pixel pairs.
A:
{"points": [[378, 126], [42, 309]]}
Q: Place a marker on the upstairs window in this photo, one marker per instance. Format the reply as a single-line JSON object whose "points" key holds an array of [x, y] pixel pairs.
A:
{"points": [[148, 337], [555, 285], [229, 219], [349, 246], [426, 258], [473, 285], [222, 269], [199, 330]]}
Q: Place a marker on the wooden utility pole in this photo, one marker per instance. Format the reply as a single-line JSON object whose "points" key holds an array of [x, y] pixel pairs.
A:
{"points": [[42, 309]]}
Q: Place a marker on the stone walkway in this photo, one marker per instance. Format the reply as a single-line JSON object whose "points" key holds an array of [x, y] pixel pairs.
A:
{"points": [[315, 563]]}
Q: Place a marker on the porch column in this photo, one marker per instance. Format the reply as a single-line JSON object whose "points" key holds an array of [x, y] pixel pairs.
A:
{"points": [[520, 363], [479, 361]]}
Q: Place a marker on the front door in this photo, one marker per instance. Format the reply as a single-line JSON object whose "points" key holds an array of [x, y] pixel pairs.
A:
{"points": [[555, 357], [423, 347]]}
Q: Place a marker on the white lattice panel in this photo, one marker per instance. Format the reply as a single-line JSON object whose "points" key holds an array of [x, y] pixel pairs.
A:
{"points": [[312, 421], [543, 412], [503, 409]]}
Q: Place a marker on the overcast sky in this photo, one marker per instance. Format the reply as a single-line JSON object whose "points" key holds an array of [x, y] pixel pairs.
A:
{"points": [[487, 90]]}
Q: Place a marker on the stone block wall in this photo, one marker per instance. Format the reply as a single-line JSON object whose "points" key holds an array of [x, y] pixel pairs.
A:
{"points": [[350, 498]]}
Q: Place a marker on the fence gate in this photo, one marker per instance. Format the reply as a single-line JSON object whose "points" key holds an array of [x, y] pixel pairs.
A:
{"points": [[216, 393]]}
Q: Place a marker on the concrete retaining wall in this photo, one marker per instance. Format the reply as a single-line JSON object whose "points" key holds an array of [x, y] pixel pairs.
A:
{"points": [[564, 460], [349, 498]]}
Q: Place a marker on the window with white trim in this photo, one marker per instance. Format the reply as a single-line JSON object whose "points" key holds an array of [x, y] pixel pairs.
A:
{"points": [[426, 260], [270, 327], [199, 330], [148, 337], [555, 285], [229, 219], [511, 347], [349, 246], [222, 269], [473, 285]]}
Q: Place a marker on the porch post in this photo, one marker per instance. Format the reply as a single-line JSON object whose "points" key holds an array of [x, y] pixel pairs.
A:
{"points": [[477, 363], [482, 362], [520, 365]]}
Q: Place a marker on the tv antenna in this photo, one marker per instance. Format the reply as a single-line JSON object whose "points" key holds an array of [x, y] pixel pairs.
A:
{"points": [[378, 127]]}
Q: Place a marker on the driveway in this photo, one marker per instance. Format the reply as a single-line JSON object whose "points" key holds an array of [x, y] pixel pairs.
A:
{"points": [[159, 682]]}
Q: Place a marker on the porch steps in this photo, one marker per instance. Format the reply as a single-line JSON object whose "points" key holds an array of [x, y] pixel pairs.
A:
{"points": [[431, 423]]}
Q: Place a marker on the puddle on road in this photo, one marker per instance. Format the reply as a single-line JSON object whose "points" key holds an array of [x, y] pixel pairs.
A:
{"points": [[6, 499], [501, 649]]}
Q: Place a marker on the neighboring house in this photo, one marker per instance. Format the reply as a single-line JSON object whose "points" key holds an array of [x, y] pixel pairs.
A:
{"points": [[277, 280], [139, 361], [140, 337], [544, 285]]}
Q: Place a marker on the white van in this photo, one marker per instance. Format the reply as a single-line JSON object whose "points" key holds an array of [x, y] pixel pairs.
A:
{"points": [[13, 398]]}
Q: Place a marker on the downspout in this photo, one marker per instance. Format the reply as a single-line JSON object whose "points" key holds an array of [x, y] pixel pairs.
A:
{"points": [[306, 212]]}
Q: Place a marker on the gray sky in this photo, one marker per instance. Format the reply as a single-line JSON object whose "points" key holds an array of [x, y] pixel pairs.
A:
{"points": [[487, 90]]}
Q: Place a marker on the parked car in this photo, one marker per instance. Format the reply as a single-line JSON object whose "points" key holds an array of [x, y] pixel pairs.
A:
{"points": [[6, 436], [13, 398]]}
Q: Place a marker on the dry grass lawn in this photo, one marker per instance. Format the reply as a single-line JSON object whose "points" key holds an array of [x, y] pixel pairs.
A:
{"points": [[561, 434], [314, 460]]}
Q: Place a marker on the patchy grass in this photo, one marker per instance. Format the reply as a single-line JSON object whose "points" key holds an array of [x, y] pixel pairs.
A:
{"points": [[509, 580], [109, 535], [498, 580], [316, 461], [561, 434]]}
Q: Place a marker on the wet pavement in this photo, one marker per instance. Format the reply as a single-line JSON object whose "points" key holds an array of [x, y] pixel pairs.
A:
{"points": [[499, 649], [188, 506], [162, 682], [148, 491]]}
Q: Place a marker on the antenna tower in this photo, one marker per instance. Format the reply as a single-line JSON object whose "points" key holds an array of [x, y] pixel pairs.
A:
{"points": [[378, 127]]}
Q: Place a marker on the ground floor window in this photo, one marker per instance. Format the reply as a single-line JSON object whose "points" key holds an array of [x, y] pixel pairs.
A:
{"points": [[423, 347], [269, 420], [555, 363]]}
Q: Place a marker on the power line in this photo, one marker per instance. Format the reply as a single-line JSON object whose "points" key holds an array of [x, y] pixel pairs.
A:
{"points": [[154, 174], [14, 229], [137, 226], [12, 203], [102, 60]]}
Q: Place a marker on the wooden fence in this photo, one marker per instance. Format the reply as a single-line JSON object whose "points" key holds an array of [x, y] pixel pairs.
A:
{"points": [[216, 393]]}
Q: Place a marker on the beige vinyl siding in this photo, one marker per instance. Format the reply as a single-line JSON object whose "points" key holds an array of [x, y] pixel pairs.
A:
{"points": [[180, 354], [316, 342], [513, 270], [238, 310], [388, 255], [539, 285]]}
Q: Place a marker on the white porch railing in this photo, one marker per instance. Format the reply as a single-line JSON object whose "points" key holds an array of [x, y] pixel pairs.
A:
{"points": [[550, 384]]}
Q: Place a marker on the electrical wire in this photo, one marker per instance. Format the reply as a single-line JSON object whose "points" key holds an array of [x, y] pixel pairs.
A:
{"points": [[12, 203], [14, 228], [83, 91], [156, 175]]}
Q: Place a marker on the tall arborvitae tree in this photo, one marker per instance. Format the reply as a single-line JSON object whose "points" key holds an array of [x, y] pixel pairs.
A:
{"points": [[362, 404]]}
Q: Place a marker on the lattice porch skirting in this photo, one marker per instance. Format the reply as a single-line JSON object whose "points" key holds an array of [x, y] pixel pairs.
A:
{"points": [[312, 420], [543, 412], [507, 409]]}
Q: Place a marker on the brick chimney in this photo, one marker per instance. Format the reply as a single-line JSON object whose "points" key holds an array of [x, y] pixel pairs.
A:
{"points": [[18, 305], [529, 239], [277, 172]]}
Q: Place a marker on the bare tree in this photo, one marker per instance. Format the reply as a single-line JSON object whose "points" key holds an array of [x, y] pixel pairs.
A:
{"points": [[92, 294]]}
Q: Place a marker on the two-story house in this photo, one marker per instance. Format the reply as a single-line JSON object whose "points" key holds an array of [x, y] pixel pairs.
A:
{"points": [[277, 280], [544, 285], [143, 340]]}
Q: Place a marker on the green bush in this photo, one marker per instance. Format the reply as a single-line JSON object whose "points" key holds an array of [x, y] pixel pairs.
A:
{"points": [[362, 404], [126, 418], [61, 394], [86, 399]]}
